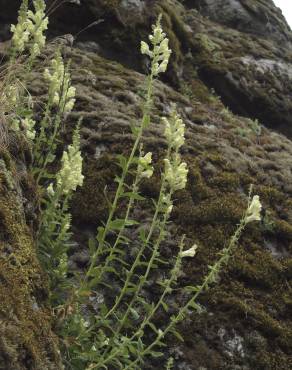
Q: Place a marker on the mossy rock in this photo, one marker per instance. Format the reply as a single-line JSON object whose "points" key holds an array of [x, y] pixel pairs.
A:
{"points": [[247, 323], [27, 340], [251, 295]]}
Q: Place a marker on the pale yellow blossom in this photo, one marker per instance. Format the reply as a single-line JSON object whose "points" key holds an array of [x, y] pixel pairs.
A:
{"points": [[144, 168], [61, 93], [70, 175], [176, 174], [190, 252], [28, 33], [160, 53], [254, 210], [174, 130]]}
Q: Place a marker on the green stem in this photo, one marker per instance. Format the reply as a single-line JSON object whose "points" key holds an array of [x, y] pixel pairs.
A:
{"points": [[51, 144], [119, 190], [136, 262], [144, 245], [139, 255], [41, 138], [166, 290], [208, 280], [143, 279], [126, 218]]}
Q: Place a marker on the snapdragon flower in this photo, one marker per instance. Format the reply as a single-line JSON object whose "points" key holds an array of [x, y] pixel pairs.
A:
{"points": [[12, 95], [50, 190], [176, 173], [174, 130], [144, 168], [29, 31], [28, 125], [167, 204], [38, 25], [14, 125], [160, 53], [61, 92], [254, 210], [175, 170], [20, 30], [190, 252], [70, 176]]}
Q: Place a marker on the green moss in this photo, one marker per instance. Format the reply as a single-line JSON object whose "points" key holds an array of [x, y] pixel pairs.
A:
{"points": [[225, 181], [89, 204], [109, 4], [257, 267], [270, 195], [284, 229], [25, 331], [216, 159], [192, 87], [287, 297], [196, 185], [252, 291], [262, 320], [6, 175], [288, 272], [208, 48]]}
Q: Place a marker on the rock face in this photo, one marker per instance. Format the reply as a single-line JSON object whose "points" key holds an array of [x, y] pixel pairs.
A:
{"points": [[27, 341], [242, 50], [260, 18], [246, 323], [245, 55]]}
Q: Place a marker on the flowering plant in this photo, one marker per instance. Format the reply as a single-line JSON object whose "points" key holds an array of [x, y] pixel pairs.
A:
{"points": [[61, 93], [29, 31], [123, 330], [160, 53], [70, 175], [254, 210]]}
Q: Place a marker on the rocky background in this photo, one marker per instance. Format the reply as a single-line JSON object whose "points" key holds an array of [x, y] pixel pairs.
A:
{"points": [[231, 78]]}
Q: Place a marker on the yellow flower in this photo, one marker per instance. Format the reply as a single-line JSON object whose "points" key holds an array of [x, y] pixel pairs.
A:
{"points": [[70, 175], [190, 252], [61, 92], [161, 53], [144, 168], [29, 31], [254, 210], [176, 174], [174, 130]]}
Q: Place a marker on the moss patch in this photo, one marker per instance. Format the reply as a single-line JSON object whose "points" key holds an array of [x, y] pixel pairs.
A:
{"points": [[26, 338]]}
